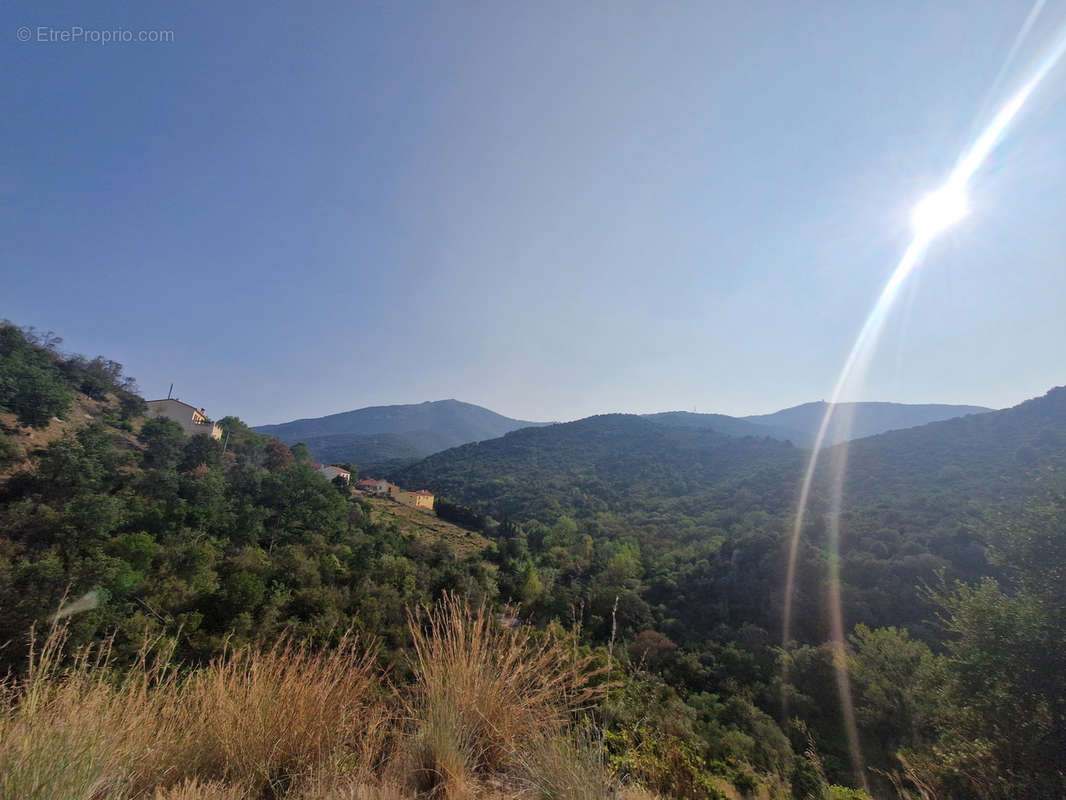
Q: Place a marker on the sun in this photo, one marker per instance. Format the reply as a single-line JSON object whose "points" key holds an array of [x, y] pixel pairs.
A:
{"points": [[939, 210]]}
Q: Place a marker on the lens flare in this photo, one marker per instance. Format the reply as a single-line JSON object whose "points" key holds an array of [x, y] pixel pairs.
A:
{"points": [[939, 210], [931, 216]]}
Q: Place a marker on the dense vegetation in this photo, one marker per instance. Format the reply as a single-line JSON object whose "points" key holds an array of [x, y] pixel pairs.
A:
{"points": [[662, 548]]}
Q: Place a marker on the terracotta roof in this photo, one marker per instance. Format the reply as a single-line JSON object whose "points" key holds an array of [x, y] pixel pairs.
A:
{"points": [[423, 492], [316, 465]]}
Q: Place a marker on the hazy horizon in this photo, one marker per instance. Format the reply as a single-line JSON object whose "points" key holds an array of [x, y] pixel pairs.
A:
{"points": [[616, 411], [769, 407]]}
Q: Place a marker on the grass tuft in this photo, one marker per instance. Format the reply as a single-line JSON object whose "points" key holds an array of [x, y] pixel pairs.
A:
{"points": [[484, 690]]}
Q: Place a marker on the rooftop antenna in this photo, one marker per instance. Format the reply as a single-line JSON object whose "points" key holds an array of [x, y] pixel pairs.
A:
{"points": [[171, 391]]}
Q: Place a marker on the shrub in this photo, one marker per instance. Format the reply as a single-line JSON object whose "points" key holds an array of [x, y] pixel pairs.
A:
{"points": [[10, 453], [664, 763]]}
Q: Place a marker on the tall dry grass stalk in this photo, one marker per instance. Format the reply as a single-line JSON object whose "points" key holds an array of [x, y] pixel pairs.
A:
{"points": [[483, 691]]}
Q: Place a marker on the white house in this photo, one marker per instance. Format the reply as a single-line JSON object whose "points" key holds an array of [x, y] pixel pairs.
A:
{"points": [[333, 472], [192, 420]]}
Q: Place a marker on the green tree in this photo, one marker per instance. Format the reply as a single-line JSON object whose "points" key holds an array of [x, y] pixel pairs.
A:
{"points": [[164, 443], [885, 666], [200, 449], [1000, 690], [30, 384], [530, 587]]}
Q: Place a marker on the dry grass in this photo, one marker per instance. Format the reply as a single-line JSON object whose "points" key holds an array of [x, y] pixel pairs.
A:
{"points": [[427, 526], [195, 790], [79, 732], [265, 717], [256, 719], [483, 692], [568, 766], [490, 707]]}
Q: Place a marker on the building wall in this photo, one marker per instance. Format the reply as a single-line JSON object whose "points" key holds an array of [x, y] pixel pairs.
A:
{"points": [[185, 415], [378, 487], [414, 499]]}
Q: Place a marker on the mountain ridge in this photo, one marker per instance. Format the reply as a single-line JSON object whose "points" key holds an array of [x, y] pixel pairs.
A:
{"points": [[385, 433], [394, 434], [599, 459], [870, 418]]}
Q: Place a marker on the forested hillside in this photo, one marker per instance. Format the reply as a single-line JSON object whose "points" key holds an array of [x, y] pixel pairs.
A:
{"points": [[919, 502], [683, 533], [611, 462], [154, 532]]}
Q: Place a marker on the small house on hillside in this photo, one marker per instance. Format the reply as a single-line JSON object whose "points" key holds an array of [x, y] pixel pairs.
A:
{"points": [[374, 486], [382, 488], [419, 499], [192, 420], [331, 472]]}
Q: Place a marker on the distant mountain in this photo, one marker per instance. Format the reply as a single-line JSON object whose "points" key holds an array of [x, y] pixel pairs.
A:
{"points": [[371, 448], [618, 461], [388, 433], [800, 424], [867, 419], [979, 456], [402, 434], [730, 426]]}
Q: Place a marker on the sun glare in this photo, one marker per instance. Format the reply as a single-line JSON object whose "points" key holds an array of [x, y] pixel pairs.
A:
{"points": [[939, 210]]}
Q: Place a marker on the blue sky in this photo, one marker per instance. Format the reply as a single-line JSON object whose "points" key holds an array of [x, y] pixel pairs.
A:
{"points": [[551, 209]]}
